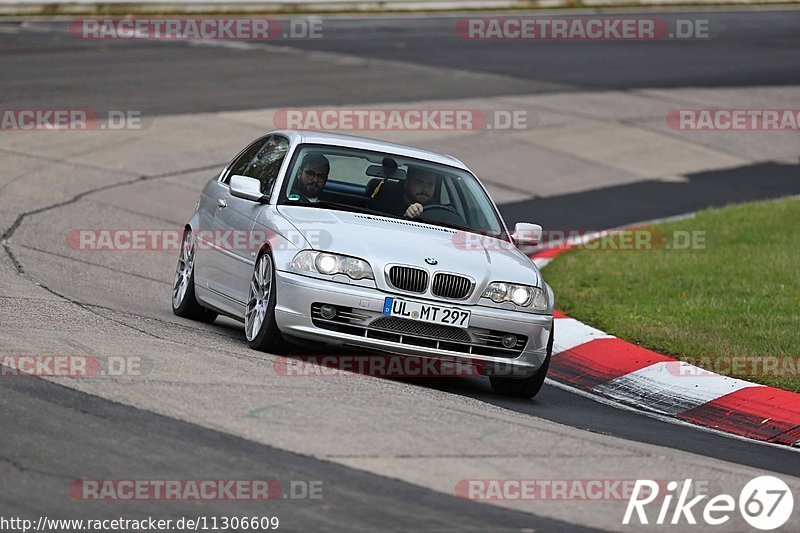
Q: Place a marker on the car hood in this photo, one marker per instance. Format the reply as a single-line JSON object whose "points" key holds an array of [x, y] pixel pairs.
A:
{"points": [[383, 241]]}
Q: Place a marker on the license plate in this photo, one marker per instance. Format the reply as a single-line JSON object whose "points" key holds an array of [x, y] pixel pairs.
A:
{"points": [[434, 314]]}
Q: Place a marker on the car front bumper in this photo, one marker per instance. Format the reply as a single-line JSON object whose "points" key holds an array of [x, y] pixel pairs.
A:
{"points": [[297, 293]]}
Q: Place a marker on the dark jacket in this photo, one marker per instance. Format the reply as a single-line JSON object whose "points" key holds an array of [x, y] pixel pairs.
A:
{"points": [[391, 199]]}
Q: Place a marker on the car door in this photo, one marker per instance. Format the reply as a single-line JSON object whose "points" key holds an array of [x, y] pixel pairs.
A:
{"points": [[234, 218], [207, 262]]}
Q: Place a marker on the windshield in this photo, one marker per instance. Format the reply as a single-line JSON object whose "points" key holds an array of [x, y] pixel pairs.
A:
{"points": [[349, 179]]}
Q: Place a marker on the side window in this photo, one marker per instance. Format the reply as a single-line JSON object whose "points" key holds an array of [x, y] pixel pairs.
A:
{"points": [[239, 166], [262, 160], [267, 162]]}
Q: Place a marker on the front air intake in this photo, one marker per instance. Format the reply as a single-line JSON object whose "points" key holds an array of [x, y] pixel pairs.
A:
{"points": [[408, 279], [451, 286]]}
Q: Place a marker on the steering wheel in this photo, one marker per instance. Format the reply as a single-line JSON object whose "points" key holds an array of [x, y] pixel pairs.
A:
{"points": [[442, 213]]}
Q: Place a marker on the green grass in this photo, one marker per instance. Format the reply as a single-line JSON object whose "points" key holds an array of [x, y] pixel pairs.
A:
{"points": [[738, 295]]}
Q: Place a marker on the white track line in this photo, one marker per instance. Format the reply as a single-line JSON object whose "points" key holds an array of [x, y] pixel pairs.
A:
{"points": [[671, 387], [662, 418], [570, 333]]}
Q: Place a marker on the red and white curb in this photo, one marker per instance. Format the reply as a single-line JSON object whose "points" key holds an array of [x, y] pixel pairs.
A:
{"points": [[594, 361]]}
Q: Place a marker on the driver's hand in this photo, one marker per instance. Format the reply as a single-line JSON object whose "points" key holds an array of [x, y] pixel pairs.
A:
{"points": [[413, 211]]}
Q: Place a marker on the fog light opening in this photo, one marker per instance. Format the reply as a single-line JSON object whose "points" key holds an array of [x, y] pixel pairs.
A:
{"points": [[327, 312], [509, 340]]}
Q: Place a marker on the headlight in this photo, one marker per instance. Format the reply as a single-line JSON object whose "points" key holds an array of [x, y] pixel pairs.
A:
{"points": [[520, 295], [330, 264], [497, 292], [326, 263]]}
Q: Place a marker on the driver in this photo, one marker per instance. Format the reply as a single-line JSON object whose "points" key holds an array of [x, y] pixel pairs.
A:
{"points": [[311, 178], [418, 189]]}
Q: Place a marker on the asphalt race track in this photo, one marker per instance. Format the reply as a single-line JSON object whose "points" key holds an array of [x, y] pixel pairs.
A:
{"points": [[165, 78], [389, 453]]}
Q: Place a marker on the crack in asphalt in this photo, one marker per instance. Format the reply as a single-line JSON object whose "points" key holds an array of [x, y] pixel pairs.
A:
{"points": [[11, 229], [130, 211], [17, 465], [112, 269], [20, 218], [161, 321], [93, 308], [63, 161]]}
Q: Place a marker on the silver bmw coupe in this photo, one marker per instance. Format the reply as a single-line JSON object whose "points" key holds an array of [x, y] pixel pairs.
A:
{"points": [[313, 236]]}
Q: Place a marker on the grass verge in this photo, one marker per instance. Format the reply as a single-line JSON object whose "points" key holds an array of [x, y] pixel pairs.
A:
{"points": [[730, 303]]}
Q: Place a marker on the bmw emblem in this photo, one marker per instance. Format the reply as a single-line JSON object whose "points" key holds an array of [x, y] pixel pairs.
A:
{"points": [[431, 261]]}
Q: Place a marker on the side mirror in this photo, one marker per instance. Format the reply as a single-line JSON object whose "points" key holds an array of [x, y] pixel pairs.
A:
{"points": [[247, 188], [526, 234]]}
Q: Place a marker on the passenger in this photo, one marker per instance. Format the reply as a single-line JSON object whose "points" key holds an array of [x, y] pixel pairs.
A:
{"points": [[311, 178]]}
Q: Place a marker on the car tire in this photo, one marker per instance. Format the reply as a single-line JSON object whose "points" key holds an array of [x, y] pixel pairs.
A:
{"points": [[527, 387], [260, 326], [184, 302]]}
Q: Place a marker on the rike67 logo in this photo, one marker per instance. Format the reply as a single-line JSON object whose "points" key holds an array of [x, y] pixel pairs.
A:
{"points": [[765, 503]]}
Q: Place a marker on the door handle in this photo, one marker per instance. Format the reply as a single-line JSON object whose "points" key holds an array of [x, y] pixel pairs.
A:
{"points": [[221, 202]]}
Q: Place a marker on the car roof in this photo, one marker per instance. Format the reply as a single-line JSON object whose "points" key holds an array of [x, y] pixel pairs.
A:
{"points": [[365, 143]]}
